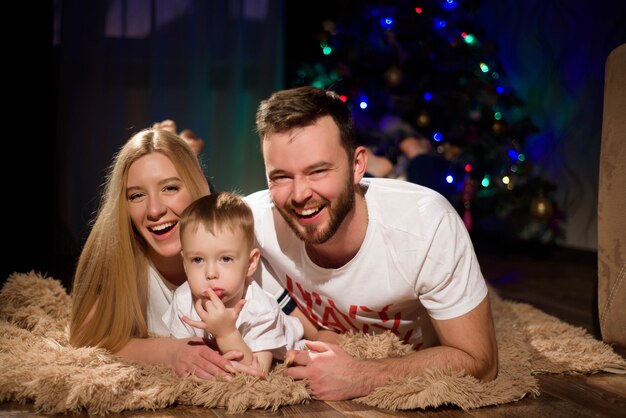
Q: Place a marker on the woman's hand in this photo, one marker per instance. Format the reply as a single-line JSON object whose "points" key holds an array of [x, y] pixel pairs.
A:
{"points": [[253, 369], [193, 356], [186, 356]]}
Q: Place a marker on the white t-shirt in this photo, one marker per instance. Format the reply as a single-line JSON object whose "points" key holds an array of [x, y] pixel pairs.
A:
{"points": [[262, 324], [160, 293], [417, 258]]}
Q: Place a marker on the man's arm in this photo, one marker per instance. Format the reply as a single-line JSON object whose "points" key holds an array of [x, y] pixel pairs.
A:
{"points": [[311, 331], [471, 341], [467, 343]]}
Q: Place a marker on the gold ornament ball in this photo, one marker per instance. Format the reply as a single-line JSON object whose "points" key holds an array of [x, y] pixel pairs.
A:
{"points": [[394, 76], [475, 115], [498, 128], [423, 120], [451, 152], [541, 207], [330, 27]]}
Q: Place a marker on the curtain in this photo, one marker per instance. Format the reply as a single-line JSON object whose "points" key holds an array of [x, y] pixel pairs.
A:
{"points": [[121, 65]]}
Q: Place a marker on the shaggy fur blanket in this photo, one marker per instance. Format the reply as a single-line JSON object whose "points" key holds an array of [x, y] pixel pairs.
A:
{"points": [[39, 366]]}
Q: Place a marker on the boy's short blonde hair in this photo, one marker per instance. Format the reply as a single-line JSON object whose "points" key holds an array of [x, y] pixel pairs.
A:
{"points": [[217, 212]]}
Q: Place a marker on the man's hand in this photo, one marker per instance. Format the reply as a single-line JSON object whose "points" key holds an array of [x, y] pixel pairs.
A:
{"points": [[331, 373]]}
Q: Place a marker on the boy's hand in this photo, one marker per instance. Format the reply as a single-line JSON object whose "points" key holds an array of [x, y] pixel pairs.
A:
{"points": [[217, 319]]}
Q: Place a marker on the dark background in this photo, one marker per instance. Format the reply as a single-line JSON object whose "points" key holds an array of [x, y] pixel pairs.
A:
{"points": [[90, 78]]}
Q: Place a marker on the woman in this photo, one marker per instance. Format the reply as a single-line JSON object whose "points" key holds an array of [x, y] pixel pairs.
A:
{"points": [[131, 262]]}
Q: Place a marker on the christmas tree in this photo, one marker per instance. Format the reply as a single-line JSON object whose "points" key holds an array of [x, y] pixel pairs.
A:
{"points": [[424, 70]]}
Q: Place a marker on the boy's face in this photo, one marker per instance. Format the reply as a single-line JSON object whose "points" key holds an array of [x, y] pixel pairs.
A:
{"points": [[310, 179], [220, 262]]}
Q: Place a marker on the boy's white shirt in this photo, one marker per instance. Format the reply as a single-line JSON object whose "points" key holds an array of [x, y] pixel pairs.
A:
{"points": [[160, 293], [262, 324]]}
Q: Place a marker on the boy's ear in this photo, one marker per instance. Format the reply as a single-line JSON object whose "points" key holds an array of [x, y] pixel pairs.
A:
{"points": [[253, 261]]}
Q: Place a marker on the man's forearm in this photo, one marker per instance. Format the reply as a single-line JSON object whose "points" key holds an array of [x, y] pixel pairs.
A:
{"points": [[379, 372]]}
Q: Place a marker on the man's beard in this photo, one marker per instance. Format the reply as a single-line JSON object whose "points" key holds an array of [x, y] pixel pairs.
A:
{"points": [[311, 233]]}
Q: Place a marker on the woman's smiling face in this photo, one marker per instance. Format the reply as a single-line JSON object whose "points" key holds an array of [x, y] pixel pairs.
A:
{"points": [[156, 197]]}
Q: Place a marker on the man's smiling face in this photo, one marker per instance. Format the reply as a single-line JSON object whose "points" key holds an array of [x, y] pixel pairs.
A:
{"points": [[310, 179]]}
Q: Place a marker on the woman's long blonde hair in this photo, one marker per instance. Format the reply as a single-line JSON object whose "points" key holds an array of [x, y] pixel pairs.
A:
{"points": [[110, 289]]}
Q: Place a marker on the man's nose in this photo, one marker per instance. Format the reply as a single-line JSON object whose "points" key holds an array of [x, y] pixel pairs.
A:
{"points": [[301, 189]]}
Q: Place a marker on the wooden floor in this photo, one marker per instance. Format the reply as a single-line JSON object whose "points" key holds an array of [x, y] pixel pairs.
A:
{"points": [[561, 282]]}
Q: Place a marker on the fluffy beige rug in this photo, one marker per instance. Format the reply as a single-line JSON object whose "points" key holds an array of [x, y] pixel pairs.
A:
{"points": [[39, 366]]}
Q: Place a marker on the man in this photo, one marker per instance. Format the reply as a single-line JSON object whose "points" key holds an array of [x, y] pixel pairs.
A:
{"points": [[362, 254]]}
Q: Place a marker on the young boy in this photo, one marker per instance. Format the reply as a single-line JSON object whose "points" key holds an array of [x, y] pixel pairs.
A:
{"points": [[220, 301]]}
